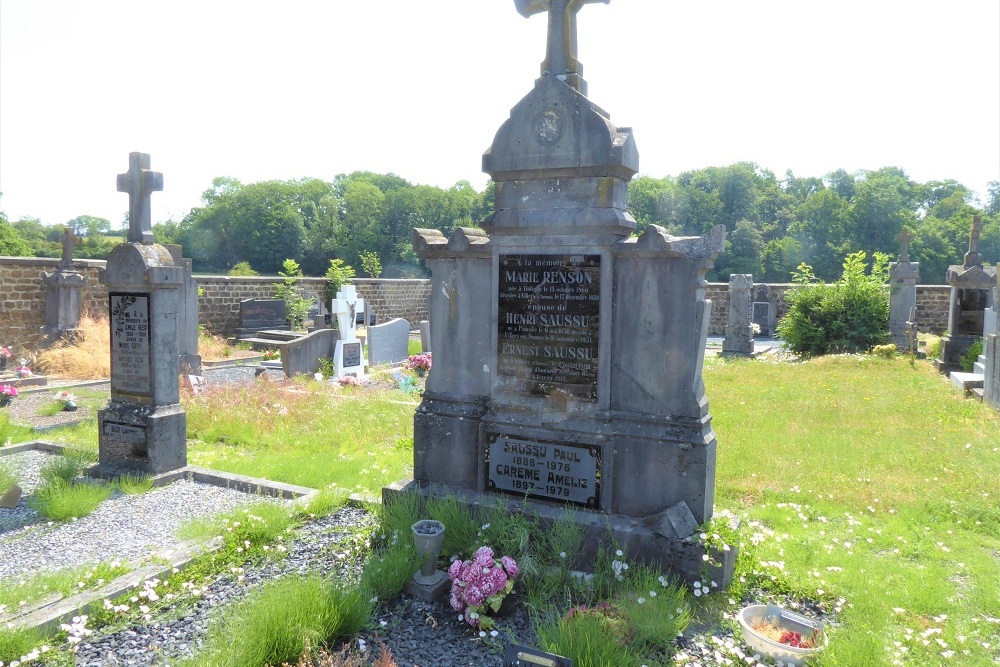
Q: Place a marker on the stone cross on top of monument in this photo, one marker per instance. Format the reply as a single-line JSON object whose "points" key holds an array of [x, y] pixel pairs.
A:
{"points": [[904, 238], [560, 56], [972, 258], [139, 182], [69, 240]]}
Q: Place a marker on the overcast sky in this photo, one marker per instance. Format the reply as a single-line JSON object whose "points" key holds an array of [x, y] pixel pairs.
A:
{"points": [[313, 88]]}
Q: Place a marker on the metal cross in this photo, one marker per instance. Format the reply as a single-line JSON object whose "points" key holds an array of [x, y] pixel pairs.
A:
{"points": [[905, 237], [69, 239], [139, 182], [560, 55]]}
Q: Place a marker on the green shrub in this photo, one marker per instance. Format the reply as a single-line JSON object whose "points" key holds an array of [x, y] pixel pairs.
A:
{"points": [[296, 305], [67, 466], [242, 269], [589, 639], [59, 500], [370, 263], [272, 625], [851, 315], [971, 355], [387, 571], [338, 274]]}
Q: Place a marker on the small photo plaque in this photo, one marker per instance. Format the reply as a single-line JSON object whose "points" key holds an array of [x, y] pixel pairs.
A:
{"points": [[524, 656]]}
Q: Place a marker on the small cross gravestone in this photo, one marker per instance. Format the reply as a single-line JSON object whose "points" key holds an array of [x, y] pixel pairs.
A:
{"points": [[69, 241], [903, 278], [348, 357], [63, 293]]}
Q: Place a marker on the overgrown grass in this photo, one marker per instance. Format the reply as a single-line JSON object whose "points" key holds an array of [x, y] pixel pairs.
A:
{"points": [[276, 433], [65, 582], [16, 644], [85, 356], [272, 625], [134, 484], [12, 433], [62, 501], [872, 482], [7, 478]]}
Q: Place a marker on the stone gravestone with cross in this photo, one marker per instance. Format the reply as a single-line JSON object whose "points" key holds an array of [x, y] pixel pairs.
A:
{"points": [[568, 354], [903, 278], [348, 355], [971, 294], [63, 294], [143, 427]]}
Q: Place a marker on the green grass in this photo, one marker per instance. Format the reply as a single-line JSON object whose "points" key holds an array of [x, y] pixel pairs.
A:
{"points": [[273, 624], [885, 482], [134, 484], [7, 479], [62, 501], [15, 644], [11, 433], [414, 347], [64, 582]]}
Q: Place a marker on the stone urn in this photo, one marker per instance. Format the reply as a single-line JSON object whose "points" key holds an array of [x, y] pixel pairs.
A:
{"points": [[428, 535]]}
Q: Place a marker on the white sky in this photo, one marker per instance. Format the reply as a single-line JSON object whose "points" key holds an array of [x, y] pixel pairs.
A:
{"points": [[279, 90]]}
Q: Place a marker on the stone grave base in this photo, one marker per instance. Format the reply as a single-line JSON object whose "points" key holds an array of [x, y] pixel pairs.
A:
{"points": [[135, 440], [953, 348], [683, 558]]}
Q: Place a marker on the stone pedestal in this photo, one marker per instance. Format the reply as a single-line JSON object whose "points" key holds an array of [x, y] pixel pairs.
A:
{"points": [[903, 279], [739, 334], [143, 428], [971, 295], [567, 355], [63, 301]]}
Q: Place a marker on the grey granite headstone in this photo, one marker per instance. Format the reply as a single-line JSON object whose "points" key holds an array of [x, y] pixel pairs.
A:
{"points": [[971, 294], [903, 278], [388, 343], [762, 310], [260, 315], [143, 427], [739, 335], [425, 336], [567, 353], [187, 318]]}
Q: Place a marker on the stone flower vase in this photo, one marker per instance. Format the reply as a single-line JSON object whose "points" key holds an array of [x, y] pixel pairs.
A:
{"points": [[428, 535]]}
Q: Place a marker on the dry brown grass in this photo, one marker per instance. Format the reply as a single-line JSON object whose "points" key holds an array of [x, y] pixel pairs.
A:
{"points": [[86, 356], [347, 656]]}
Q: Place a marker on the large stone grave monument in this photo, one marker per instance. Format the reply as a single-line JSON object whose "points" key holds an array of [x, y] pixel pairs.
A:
{"points": [[739, 334], [903, 278], [63, 294], [348, 356], [143, 427], [567, 355], [971, 294]]}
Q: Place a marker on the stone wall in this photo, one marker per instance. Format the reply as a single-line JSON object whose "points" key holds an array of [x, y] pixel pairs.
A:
{"points": [[932, 306], [22, 299], [405, 298]]}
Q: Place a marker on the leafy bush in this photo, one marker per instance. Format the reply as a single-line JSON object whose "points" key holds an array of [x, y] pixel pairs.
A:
{"points": [[851, 315], [242, 269], [370, 263], [971, 355], [296, 305], [338, 274]]}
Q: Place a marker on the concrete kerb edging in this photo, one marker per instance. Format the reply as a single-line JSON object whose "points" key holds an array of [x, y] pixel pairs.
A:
{"points": [[47, 614]]}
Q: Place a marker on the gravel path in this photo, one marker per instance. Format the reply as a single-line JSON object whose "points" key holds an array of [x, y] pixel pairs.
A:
{"points": [[124, 527]]}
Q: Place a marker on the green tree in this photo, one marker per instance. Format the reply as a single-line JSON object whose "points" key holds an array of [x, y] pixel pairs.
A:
{"points": [[89, 225], [296, 305], [370, 264], [11, 243]]}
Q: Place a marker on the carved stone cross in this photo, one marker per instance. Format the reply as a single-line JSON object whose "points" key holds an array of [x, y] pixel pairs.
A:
{"points": [[560, 55], [904, 238], [972, 258], [139, 182], [69, 240]]}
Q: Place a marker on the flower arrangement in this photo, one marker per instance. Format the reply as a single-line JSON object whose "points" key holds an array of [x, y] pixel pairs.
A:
{"points": [[23, 370], [7, 393], [349, 381], [5, 352], [479, 586], [271, 355], [419, 362], [63, 397]]}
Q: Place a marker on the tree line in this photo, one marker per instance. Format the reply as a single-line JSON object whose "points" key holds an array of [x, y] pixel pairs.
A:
{"points": [[773, 223]]}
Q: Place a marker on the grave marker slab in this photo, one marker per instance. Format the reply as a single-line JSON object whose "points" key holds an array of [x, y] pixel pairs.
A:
{"points": [[903, 278], [388, 343], [739, 334], [258, 315]]}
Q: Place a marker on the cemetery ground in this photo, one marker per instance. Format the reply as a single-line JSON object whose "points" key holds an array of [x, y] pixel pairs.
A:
{"points": [[866, 487]]}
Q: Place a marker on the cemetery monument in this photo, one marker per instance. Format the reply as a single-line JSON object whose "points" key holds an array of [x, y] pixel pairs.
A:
{"points": [[903, 278], [567, 355], [63, 294], [143, 427], [739, 334], [991, 355], [971, 294], [348, 357]]}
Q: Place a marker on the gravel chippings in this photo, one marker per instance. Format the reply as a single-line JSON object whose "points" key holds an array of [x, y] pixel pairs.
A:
{"points": [[312, 547], [124, 527]]}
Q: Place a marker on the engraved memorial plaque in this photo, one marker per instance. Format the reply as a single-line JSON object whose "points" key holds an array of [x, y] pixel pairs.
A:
{"points": [[130, 343], [548, 317], [352, 355], [124, 441], [544, 469]]}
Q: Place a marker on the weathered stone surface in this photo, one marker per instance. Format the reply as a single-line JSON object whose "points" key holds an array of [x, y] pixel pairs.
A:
{"points": [[11, 497], [739, 334], [388, 343], [676, 522], [903, 279]]}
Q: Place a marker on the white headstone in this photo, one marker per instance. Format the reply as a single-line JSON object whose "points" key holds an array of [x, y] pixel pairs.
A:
{"points": [[348, 357]]}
